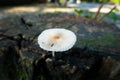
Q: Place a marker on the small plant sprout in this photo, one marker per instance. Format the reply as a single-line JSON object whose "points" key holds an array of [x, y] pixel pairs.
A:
{"points": [[56, 40]]}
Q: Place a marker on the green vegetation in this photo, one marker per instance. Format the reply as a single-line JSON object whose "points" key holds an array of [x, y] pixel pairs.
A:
{"points": [[22, 74], [85, 13], [41, 77], [78, 11], [62, 1], [102, 1], [115, 1], [113, 15]]}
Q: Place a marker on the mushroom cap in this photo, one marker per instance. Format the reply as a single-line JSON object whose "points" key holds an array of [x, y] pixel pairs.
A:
{"points": [[56, 39]]}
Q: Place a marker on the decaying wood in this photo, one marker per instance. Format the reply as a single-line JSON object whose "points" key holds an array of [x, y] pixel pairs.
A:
{"points": [[76, 64], [22, 59]]}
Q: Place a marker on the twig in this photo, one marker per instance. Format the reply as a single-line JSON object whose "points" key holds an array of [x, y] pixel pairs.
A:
{"points": [[98, 12], [107, 14]]}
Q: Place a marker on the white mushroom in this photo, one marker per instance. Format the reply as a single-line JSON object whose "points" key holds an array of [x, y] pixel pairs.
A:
{"points": [[56, 40]]}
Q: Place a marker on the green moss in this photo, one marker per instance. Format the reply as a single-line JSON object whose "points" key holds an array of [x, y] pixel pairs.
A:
{"points": [[108, 40], [22, 74], [41, 77]]}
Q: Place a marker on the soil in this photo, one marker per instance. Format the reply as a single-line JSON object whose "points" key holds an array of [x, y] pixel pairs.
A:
{"points": [[21, 58]]}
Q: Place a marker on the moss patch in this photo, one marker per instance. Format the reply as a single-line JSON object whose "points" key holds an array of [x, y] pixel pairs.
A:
{"points": [[109, 40]]}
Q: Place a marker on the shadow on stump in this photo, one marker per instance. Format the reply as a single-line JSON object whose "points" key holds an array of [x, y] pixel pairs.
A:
{"points": [[75, 64]]}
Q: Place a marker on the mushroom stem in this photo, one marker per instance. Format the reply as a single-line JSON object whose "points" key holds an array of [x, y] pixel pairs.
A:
{"points": [[53, 55]]}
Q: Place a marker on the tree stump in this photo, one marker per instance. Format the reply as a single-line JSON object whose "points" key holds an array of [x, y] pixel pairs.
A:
{"points": [[22, 59]]}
